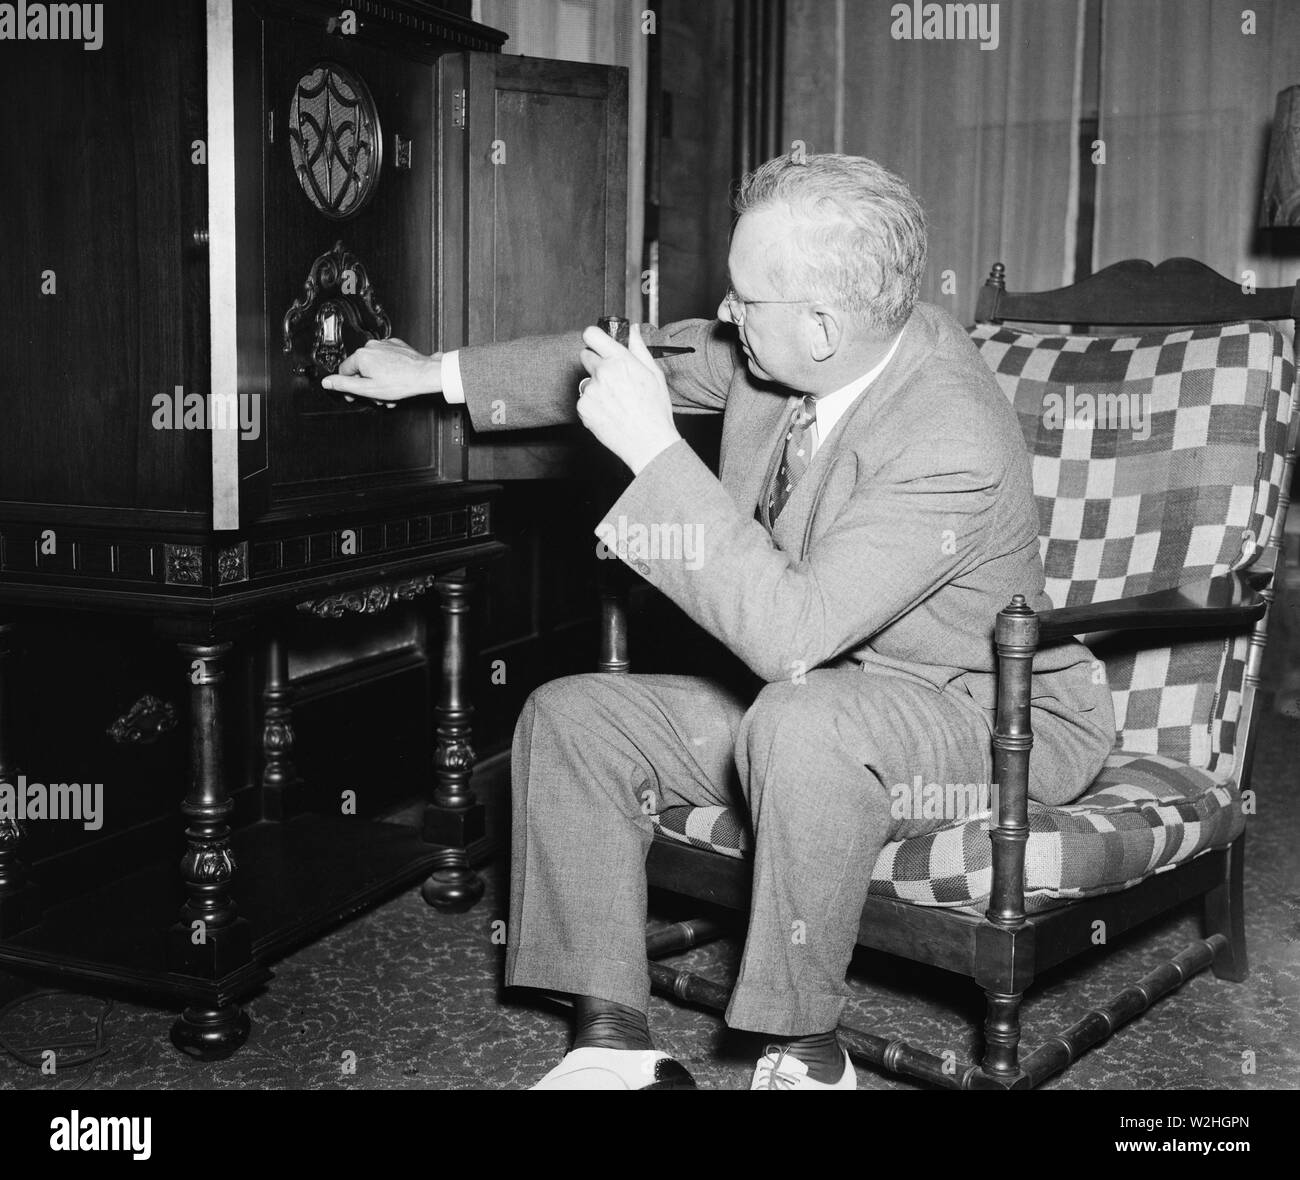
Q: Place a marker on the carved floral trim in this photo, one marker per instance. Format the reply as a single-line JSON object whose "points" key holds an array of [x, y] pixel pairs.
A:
{"points": [[369, 601]]}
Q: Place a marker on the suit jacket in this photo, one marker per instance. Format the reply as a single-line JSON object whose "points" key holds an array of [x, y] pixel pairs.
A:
{"points": [[913, 527]]}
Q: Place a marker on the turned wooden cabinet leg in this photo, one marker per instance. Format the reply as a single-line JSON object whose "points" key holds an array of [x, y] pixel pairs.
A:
{"points": [[210, 940], [280, 781], [18, 905], [454, 820]]}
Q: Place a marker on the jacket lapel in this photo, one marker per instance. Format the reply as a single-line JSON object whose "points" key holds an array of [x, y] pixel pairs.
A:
{"points": [[793, 529], [754, 422]]}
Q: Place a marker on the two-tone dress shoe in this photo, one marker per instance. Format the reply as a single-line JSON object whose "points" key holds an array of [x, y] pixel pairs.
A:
{"points": [[777, 1070], [617, 1069]]}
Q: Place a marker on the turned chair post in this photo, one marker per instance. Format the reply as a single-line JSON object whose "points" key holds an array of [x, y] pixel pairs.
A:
{"points": [[1013, 738]]}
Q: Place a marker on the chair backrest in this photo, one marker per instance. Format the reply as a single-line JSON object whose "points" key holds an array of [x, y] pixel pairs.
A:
{"points": [[1159, 457]]}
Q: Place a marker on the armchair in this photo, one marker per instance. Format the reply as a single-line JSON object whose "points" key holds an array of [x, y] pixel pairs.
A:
{"points": [[1160, 540]]}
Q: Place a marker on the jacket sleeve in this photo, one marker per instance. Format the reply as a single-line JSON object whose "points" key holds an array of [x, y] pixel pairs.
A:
{"points": [[919, 521], [533, 381]]}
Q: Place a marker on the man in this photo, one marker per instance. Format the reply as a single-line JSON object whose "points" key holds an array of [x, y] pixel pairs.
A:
{"points": [[874, 512]]}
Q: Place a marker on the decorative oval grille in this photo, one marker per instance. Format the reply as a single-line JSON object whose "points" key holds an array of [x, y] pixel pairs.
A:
{"points": [[334, 140]]}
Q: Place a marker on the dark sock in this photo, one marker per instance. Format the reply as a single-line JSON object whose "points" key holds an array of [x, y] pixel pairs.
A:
{"points": [[603, 1024], [820, 1052]]}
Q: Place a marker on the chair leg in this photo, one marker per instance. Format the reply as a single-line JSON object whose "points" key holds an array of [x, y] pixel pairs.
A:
{"points": [[682, 936], [1225, 914], [1002, 1036]]}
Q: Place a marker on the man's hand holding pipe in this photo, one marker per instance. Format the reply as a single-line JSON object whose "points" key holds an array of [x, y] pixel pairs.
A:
{"points": [[625, 401]]}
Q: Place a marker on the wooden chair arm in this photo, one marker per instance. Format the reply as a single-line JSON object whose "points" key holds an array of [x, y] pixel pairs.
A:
{"points": [[1231, 600]]}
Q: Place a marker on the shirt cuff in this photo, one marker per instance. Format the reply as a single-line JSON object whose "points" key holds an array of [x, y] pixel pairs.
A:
{"points": [[453, 389]]}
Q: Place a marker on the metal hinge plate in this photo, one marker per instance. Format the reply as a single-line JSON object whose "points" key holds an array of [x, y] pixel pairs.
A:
{"points": [[458, 108]]}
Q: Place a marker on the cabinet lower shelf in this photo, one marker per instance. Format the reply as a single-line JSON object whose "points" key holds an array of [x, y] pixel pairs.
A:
{"points": [[295, 880]]}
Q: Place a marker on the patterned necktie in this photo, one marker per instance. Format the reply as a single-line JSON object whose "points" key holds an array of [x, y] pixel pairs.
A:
{"points": [[795, 458]]}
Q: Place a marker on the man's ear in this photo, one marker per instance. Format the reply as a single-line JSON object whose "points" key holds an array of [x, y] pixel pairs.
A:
{"points": [[827, 333]]}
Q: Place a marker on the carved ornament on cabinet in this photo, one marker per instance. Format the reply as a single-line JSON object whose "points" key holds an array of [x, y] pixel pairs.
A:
{"points": [[144, 722], [336, 312], [184, 565], [369, 601]]}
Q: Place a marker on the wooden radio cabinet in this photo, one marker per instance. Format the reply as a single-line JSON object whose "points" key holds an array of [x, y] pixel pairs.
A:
{"points": [[198, 221]]}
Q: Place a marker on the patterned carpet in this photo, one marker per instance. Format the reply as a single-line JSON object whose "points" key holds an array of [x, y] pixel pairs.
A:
{"points": [[415, 996]]}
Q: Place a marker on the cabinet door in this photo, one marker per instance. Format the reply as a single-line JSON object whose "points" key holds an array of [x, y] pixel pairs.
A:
{"points": [[533, 227], [332, 102], [102, 303]]}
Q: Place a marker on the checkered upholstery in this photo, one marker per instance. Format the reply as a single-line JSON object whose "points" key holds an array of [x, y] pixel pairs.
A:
{"points": [[1143, 814], [1157, 461]]}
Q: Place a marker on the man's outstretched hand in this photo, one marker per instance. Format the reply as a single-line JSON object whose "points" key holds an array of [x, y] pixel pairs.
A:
{"points": [[625, 403], [387, 371]]}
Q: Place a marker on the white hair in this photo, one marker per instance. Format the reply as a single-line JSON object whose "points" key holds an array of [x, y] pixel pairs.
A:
{"points": [[860, 240]]}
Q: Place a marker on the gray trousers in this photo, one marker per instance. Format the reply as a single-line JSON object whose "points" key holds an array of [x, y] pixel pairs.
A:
{"points": [[595, 755]]}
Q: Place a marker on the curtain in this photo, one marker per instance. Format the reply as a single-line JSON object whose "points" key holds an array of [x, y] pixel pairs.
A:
{"points": [[604, 32], [985, 138], [1187, 99]]}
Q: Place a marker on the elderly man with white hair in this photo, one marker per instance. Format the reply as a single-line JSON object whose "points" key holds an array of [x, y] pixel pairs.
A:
{"points": [[872, 513]]}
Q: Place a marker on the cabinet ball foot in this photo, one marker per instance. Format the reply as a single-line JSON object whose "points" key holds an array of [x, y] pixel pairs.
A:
{"points": [[211, 1034], [452, 890]]}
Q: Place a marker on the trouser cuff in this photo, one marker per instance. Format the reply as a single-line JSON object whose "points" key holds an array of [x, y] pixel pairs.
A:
{"points": [[798, 1014], [581, 974]]}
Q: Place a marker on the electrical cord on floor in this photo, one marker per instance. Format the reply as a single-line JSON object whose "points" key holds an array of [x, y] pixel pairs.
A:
{"points": [[34, 1058]]}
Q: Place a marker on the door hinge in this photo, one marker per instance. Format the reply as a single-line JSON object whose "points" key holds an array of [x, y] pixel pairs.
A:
{"points": [[458, 108], [270, 126]]}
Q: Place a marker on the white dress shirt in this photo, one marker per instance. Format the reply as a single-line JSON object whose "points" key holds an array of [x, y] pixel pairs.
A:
{"points": [[453, 388], [831, 407]]}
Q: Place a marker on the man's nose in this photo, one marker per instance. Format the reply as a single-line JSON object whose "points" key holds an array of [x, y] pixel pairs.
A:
{"points": [[724, 312]]}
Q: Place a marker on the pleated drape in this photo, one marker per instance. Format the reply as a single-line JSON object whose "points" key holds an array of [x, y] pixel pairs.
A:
{"points": [[986, 138], [1187, 100]]}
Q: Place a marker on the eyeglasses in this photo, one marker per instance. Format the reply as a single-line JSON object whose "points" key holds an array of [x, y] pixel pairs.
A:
{"points": [[736, 305]]}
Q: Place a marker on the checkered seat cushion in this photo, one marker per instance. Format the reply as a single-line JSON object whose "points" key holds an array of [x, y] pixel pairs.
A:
{"points": [[1143, 814], [1157, 460]]}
